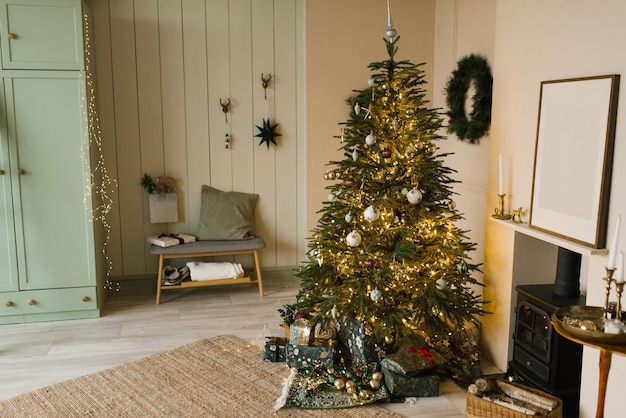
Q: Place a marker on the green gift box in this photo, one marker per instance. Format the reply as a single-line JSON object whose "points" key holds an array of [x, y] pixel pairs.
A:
{"points": [[318, 355], [275, 349]]}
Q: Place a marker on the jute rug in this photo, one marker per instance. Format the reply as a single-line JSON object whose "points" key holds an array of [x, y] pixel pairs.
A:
{"points": [[223, 376]]}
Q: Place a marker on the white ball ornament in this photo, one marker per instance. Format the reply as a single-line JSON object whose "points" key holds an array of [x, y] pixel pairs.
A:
{"points": [[331, 197], [414, 196], [353, 239], [370, 139], [375, 295], [371, 214], [441, 283]]}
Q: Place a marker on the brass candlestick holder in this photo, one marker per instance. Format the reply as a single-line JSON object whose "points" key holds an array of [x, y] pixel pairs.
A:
{"points": [[499, 211], [609, 280], [619, 287]]}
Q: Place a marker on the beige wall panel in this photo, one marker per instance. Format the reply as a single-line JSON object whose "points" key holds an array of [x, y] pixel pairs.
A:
{"points": [[196, 106], [173, 104], [264, 173], [104, 97], [146, 13], [163, 66], [240, 34], [219, 82], [127, 136], [286, 106]]}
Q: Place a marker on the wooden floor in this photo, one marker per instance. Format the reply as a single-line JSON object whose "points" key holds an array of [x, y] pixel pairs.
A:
{"points": [[132, 326]]}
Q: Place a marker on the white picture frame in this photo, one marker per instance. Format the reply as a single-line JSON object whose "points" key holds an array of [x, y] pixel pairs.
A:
{"points": [[574, 158]]}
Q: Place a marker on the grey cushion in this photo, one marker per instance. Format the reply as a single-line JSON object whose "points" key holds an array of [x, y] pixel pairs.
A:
{"points": [[254, 243], [226, 215]]}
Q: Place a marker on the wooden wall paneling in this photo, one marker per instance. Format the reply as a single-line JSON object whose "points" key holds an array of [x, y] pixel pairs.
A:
{"points": [[127, 136], [196, 105], [264, 172], [146, 16], [241, 95], [286, 105], [219, 158], [101, 37], [301, 192], [173, 103]]}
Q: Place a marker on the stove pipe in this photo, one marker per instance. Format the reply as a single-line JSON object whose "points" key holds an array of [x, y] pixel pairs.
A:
{"points": [[567, 282]]}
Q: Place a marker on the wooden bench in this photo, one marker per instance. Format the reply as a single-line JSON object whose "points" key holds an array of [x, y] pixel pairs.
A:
{"points": [[200, 249]]}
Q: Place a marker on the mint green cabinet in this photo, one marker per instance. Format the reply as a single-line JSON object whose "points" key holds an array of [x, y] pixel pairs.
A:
{"points": [[47, 251], [41, 34]]}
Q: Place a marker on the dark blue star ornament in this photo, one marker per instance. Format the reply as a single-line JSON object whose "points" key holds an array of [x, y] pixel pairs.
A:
{"points": [[267, 133]]}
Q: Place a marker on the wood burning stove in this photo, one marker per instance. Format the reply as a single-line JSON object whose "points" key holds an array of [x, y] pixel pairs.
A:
{"points": [[542, 358]]}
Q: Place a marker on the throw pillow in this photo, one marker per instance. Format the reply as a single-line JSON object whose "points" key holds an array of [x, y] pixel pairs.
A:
{"points": [[226, 215]]}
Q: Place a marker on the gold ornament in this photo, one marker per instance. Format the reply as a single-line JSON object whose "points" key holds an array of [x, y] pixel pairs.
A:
{"points": [[377, 376], [375, 384], [340, 384]]}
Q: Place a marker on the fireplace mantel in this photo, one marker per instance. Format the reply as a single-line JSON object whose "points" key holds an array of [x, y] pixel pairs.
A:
{"points": [[552, 239]]}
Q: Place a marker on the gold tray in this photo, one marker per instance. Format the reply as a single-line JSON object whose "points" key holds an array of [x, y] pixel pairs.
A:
{"points": [[587, 322]]}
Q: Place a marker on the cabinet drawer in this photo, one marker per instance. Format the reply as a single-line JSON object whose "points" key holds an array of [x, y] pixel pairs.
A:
{"points": [[41, 34], [48, 300]]}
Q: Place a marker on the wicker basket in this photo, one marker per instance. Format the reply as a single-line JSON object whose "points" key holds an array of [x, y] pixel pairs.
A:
{"points": [[478, 407]]}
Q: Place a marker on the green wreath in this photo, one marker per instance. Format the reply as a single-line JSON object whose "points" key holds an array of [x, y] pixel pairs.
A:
{"points": [[472, 128]]}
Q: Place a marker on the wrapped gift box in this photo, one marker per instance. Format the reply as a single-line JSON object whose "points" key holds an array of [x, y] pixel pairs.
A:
{"points": [[275, 349], [400, 386], [322, 354], [363, 347], [410, 361]]}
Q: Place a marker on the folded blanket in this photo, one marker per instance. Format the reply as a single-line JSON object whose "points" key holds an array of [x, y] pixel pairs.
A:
{"points": [[169, 240], [214, 271]]}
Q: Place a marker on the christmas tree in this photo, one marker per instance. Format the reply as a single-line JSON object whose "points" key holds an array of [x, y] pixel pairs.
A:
{"points": [[386, 250]]}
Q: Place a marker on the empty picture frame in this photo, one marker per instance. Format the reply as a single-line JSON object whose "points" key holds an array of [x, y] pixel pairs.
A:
{"points": [[574, 158]]}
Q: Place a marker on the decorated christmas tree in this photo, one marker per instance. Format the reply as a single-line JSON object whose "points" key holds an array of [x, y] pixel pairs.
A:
{"points": [[386, 252]]}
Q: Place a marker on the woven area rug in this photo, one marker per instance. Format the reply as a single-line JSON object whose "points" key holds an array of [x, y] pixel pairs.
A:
{"points": [[223, 376]]}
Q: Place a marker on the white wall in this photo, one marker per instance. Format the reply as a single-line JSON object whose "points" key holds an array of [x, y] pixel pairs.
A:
{"points": [[537, 40]]}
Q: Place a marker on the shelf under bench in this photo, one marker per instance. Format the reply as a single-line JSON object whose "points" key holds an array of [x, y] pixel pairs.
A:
{"points": [[200, 249]]}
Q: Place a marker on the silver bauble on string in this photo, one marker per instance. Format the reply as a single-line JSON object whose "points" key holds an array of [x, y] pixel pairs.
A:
{"points": [[371, 214], [376, 294], [441, 283], [357, 108], [355, 155], [353, 239], [370, 139], [414, 196], [348, 217]]}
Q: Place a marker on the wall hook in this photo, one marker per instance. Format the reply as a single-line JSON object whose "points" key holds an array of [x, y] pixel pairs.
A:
{"points": [[266, 82], [225, 107]]}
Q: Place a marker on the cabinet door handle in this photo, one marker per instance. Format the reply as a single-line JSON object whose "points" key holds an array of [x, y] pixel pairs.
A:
{"points": [[21, 171], [8, 304], [1, 172], [31, 301], [11, 35], [86, 299]]}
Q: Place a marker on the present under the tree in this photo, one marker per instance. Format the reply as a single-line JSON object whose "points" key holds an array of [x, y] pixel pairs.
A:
{"points": [[411, 361], [400, 386], [320, 354], [275, 349], [363, 346], [300, 332]]}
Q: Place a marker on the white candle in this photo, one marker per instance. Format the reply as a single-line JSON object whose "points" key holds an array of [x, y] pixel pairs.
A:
{"points": [[613, 247], [620, 268], [500, 185]]}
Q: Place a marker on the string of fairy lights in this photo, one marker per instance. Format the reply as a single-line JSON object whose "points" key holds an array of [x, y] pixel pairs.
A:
{"points": [[100, 184]]}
